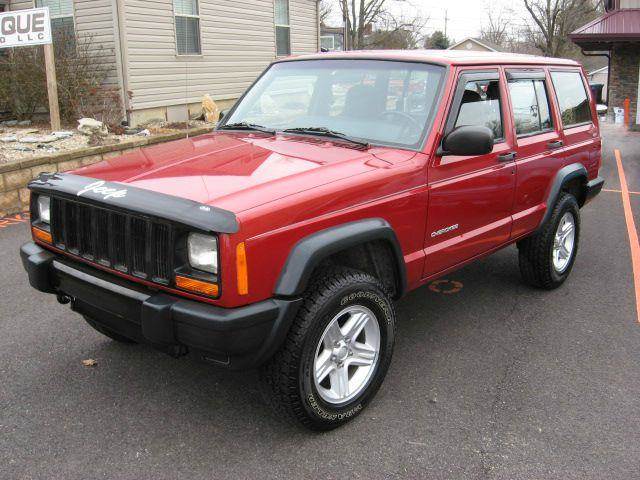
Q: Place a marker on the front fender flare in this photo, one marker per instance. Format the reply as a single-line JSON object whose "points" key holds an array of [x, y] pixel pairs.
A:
{"points": [[307, 254]]}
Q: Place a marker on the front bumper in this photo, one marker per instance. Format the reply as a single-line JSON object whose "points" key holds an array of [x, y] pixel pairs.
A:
{"points": [[234, 337]]}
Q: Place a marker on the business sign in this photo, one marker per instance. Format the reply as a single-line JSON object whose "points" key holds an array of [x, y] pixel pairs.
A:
{"points": [[25, 27]]}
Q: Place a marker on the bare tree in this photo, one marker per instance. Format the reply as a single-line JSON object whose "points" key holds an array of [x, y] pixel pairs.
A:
{"points": [[496, 28], [325, 10], [398, 33], [554, 19], [359, 16]]}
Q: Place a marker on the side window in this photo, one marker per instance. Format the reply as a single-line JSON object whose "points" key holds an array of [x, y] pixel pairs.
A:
{"points": [[530, 106], [481, 106], [572, 98]]}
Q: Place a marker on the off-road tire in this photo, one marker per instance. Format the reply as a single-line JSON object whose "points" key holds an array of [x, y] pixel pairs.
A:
{"points": [[108, 333], [288, 376], [535, 253]]}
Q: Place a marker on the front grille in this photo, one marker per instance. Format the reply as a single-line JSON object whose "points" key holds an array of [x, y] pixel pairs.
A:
{"points": [[128, 243]]}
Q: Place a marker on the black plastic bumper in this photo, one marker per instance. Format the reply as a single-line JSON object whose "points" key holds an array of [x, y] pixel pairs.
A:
{"points": [[234, 337], [593, 188]]}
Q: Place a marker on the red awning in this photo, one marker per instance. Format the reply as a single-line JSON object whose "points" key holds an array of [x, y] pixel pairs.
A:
{"points": [[615, 26]]}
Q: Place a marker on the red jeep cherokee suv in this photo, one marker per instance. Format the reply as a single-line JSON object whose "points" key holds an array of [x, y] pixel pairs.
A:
{"points": [[337, 183]]}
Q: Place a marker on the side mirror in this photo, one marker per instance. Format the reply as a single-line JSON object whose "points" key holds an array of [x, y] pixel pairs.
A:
{"points": [[467, 140], [223, 113]]}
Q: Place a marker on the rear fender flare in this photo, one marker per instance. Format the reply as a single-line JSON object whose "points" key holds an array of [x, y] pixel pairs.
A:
{"points": [[564, 175]]}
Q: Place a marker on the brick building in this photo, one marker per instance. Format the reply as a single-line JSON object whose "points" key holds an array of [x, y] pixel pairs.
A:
{"points": [[617, 33]]}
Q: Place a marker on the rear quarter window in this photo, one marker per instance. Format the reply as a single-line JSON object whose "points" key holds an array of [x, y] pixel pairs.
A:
{"points": [[572, 98]]}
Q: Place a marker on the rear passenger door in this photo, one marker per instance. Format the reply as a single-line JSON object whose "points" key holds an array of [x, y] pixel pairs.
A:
{"points": [[579, 129], [470, 197], [539, 145]]}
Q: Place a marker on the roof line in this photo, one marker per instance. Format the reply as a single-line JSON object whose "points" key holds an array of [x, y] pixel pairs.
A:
{"points": [[473, 40], [592, 23]]}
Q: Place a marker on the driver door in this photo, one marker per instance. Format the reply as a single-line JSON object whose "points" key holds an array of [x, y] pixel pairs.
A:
{"points": [[471, 197]]}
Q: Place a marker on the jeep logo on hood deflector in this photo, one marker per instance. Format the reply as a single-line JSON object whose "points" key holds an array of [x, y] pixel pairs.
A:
{"points": [[106, 192]]}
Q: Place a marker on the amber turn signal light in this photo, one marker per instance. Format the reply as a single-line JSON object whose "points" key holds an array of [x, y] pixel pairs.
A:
{"points": [[41, 235], [197, 286], [241, 267]]}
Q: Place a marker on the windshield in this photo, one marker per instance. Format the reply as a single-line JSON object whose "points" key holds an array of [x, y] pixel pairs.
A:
{"points": [[380, 102]]}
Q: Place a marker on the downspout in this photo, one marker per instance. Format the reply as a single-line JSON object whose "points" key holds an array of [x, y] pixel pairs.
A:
{"points": [[121, 45]]}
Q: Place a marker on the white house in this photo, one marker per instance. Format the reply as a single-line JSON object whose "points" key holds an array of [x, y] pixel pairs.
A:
{"points": [[169, 53]]}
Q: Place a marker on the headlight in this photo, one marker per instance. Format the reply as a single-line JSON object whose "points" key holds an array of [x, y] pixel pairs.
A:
{"points": [[203, 252], [44, 209]]}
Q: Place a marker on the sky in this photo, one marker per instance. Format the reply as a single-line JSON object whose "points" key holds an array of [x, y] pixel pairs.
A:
{"points": [[465, 17]]}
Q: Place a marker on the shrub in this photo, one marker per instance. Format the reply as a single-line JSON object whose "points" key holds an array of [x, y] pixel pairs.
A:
{"points": [[80, 72], [22, 83]]}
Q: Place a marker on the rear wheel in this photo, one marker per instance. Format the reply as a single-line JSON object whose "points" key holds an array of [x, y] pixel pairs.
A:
{"points": [[546, 258], [337, 351], [107, 332]]}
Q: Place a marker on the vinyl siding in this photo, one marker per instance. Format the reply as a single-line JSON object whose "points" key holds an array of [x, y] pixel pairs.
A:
{"points": [[304, 26], [629, 4], [20, 4], [95, 18], [238, 42]]}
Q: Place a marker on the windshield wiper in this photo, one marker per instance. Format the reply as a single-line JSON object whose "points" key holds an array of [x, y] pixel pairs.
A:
{"points": [[325, 132], [247, 126]]}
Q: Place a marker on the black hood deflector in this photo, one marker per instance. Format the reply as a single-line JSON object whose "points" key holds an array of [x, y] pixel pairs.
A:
{"points": [[121, 196]]}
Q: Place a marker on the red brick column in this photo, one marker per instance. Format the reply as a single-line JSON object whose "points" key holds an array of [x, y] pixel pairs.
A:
{"points": [[623, 78]]}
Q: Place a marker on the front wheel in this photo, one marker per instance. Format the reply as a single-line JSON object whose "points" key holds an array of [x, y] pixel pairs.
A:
{"points": [[337, 351], [546, 258]]}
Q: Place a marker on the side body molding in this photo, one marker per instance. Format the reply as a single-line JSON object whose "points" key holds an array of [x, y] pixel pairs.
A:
{"points": [[564, 175], [307, 254]]}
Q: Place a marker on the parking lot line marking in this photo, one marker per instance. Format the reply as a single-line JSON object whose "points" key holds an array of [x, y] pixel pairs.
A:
{"points": [[631, 230], [609, 190], [13, 219]]}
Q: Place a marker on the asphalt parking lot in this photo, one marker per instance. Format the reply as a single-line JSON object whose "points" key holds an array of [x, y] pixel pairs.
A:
{"points": [[496, 381]]}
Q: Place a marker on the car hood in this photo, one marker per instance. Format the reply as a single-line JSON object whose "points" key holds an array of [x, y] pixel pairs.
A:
{"points": [[240, 171]]}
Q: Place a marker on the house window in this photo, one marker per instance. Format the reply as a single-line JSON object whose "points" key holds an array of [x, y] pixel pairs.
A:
{"points": [[283, 29], [61, 12], [327, 42], [187, 27]]}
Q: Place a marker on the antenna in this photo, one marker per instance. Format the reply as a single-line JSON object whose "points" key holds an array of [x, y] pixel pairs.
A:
{"points": [[186, 91], [186, 84]]}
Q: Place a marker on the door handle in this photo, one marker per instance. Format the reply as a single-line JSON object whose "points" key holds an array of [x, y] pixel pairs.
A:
{"points": [[555, 144], [507, 157]]}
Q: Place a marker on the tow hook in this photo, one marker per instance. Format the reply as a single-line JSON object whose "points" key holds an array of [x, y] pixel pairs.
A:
{"points": [[63, 298]]}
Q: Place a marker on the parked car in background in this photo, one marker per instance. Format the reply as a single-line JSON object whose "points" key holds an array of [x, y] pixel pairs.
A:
{"points": [[336, 184]]}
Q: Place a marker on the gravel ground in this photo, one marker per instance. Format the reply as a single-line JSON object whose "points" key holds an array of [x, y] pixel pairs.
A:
{"points": [[14, 151]]}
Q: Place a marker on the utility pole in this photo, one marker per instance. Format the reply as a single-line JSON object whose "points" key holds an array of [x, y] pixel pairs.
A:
{"points": [[345, 13], [446, 20]]}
